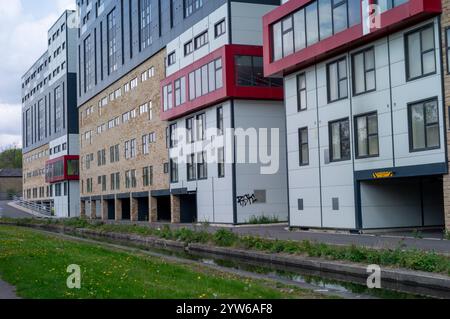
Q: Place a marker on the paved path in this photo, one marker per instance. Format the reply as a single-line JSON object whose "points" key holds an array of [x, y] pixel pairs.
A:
{"points": [[430, 242], [11, 212], [7, 291]]}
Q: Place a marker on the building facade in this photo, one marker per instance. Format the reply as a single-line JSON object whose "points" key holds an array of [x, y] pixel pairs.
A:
{"points": [[125, 50], [214, 90], [365, 110], [50, 124]]}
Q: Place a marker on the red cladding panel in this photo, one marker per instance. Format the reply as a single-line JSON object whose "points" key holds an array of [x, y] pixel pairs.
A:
{"points": [[229, 89], [412, 12]]}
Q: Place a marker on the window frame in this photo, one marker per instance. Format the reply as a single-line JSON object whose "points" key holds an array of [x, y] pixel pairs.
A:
{"points": [[301, 143], [410, 135], [422, 53], [339, 79], [299, 90], [355, 128], [366, 71], [330, 140], [222, 29]]}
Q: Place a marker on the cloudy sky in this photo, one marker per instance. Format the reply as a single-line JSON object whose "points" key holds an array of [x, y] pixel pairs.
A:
{"points": [[23, 39]]}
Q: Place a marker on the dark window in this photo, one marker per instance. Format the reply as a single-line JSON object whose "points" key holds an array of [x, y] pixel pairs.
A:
{"points": [[174, 170], [337, 80], [420, 53], [301, 92], [145, 23], [220, 28], [201, 126], [171, 58], [191, 171], [367, 140], [364, 79], [189, 130], [188, 48], [112, 42], [303, 146], [220, 127], [221, 162], [202, 168], [191, 6], [250, 72], [173, 135], [424, 125], [319, 19], [339, 140], [201, 40]]}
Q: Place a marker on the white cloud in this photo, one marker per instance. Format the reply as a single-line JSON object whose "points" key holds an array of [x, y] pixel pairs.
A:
{"points": [[23, 39]]}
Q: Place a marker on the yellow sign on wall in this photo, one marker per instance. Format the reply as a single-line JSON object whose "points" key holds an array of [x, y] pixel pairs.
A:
{"points": [[379, 175]]}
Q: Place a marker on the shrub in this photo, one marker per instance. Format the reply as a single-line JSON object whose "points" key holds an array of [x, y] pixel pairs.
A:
{"points": [[225, 238], [261, 220]]}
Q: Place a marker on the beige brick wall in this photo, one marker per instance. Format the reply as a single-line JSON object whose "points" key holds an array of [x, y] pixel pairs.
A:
{"points": [[134, 129], [29, 183], [445, 20]]}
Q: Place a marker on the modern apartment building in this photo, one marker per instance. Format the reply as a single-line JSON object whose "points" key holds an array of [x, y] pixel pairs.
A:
{"points": [[122, 58], [365, 111], [214, 90], [50, 124]]}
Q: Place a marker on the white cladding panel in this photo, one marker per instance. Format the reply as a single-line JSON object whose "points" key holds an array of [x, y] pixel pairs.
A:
{"points": [[318, 184]]}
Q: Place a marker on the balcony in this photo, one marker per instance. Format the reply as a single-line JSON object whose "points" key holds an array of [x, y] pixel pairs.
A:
{"points": [[289, 45], [231, 72], [65, 168]]}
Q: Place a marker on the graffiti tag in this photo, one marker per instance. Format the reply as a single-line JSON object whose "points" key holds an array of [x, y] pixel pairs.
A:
{"points": [[246, 200]]}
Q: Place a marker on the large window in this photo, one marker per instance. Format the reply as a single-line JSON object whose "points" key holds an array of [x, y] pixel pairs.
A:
{"points": [[303, 146], [58, 109], [191, 6], [88, 64], [112, 42], [318, 20], [367, 141], [339, 140], [301, 92], [420, 53], [424, 125], [206, 79], [250, 72], [180, 91], [364, 71], [145, 23], [337, 80], [168, 97]]}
